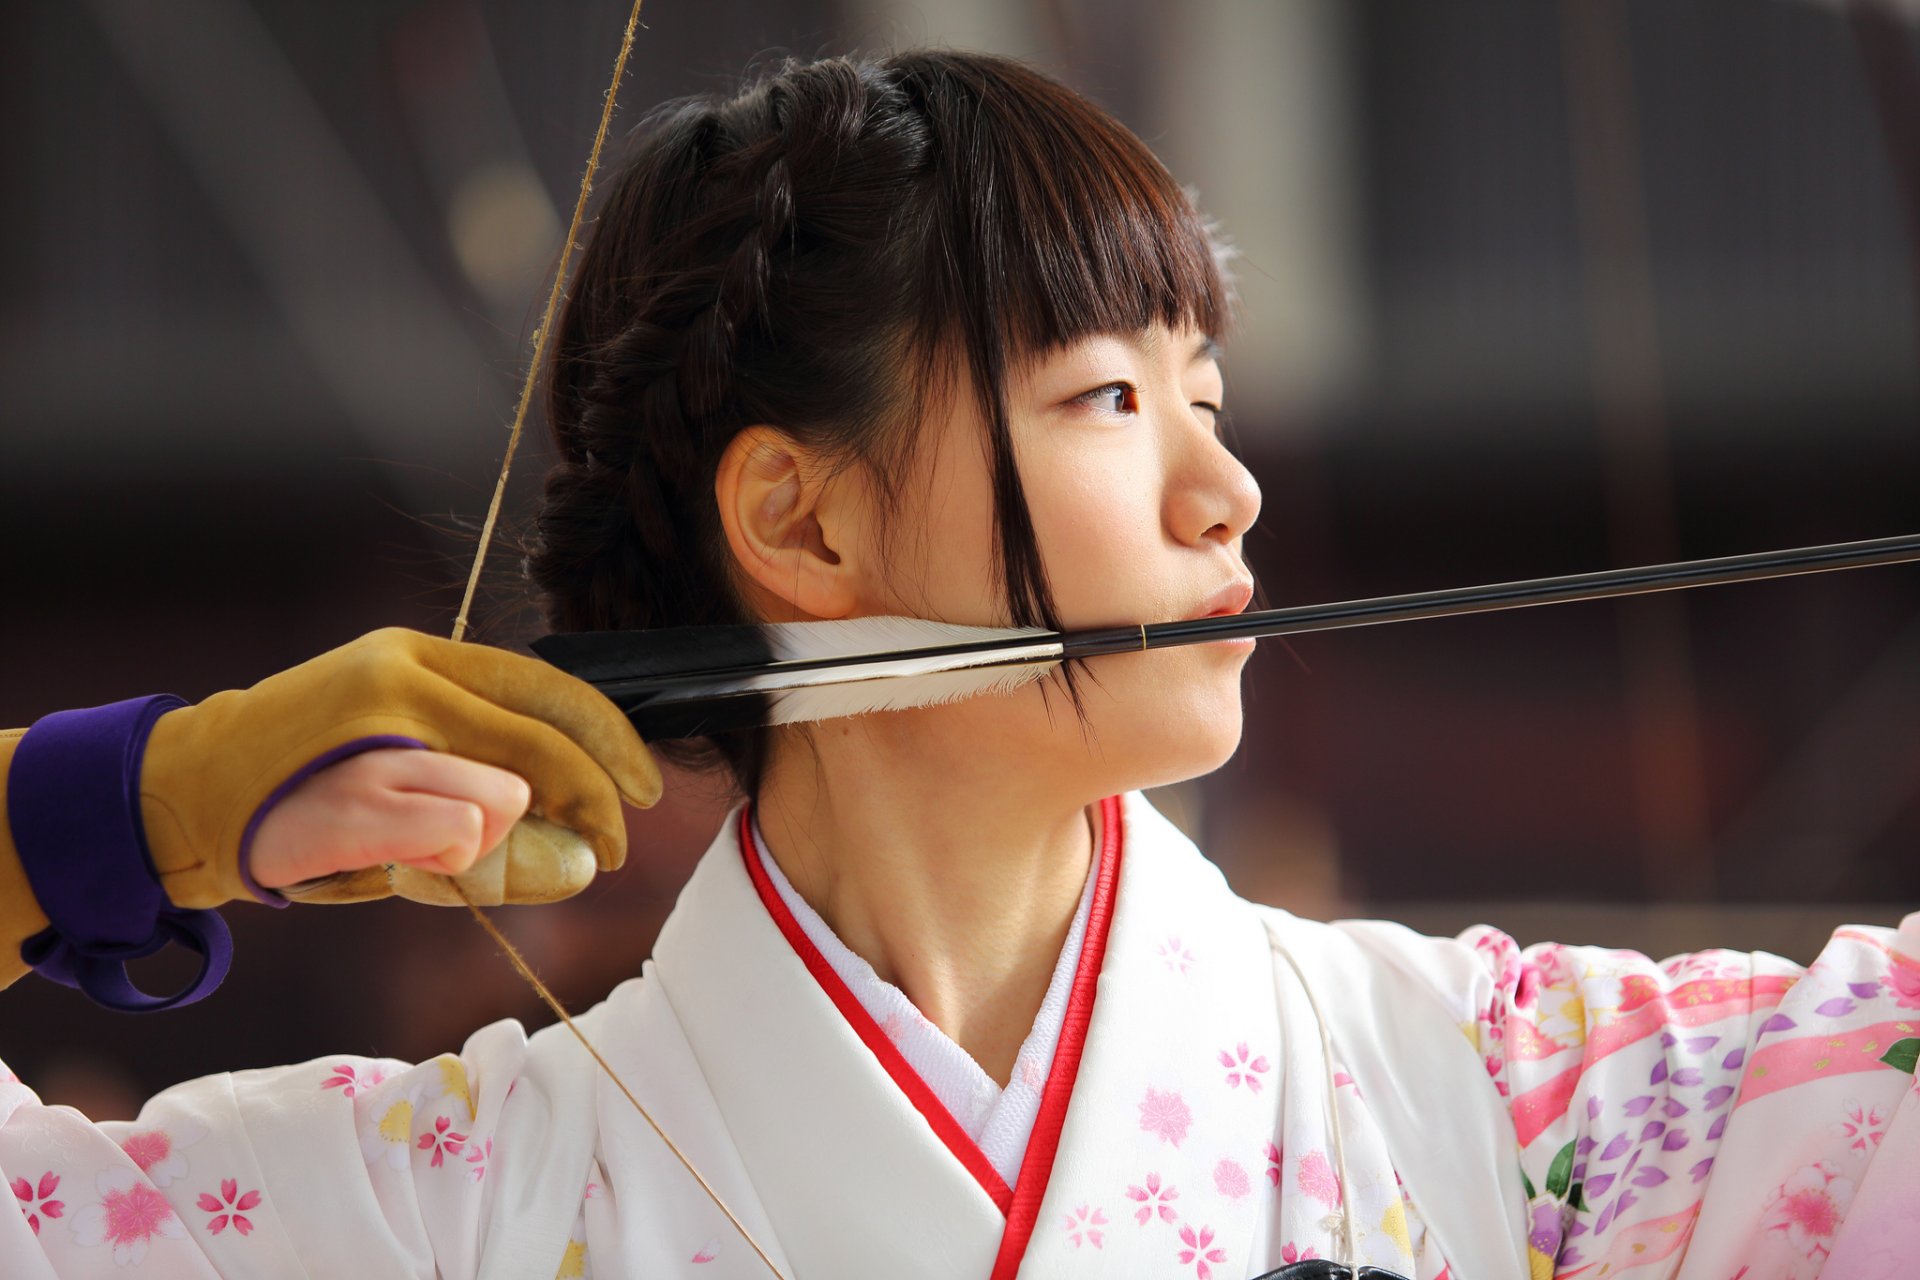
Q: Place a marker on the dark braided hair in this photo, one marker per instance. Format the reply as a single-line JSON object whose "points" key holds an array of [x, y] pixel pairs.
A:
{"points": [[811, 253]]}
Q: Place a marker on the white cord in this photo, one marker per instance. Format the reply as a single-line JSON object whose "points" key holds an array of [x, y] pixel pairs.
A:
{"points": [[1333, 1110]]}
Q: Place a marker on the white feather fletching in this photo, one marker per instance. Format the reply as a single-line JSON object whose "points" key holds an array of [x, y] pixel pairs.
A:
{"points": [[840, 637], [891, 683], [859, 697]]}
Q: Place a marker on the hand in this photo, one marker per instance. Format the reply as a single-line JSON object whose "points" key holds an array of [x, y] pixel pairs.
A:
{"points": [[228, 780], [426, 810]]}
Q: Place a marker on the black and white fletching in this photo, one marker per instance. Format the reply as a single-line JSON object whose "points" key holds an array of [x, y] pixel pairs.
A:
{"points": [[681, 682]]}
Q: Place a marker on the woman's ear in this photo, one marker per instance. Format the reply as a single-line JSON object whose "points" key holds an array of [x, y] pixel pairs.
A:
{"points": [[784, 526]]}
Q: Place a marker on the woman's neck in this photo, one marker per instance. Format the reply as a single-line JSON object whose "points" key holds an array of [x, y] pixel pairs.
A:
{"points": [[957, 880]]}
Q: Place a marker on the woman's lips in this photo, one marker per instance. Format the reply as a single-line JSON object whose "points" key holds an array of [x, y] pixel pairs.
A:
{"points": [[1229, 599], [1226, 602]]}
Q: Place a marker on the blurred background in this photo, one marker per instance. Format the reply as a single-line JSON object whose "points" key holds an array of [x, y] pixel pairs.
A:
{"points": [[1530, 287]]}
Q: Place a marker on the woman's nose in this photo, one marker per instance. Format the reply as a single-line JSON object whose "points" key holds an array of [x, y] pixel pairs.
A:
{"points": [[1213, 496]]}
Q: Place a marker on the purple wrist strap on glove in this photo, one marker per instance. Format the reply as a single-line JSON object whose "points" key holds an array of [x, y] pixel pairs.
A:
{"points": [[73, 803]]}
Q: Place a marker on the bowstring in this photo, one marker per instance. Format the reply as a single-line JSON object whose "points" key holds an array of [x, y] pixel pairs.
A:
{"points": [[545, 330], [540, 339]]}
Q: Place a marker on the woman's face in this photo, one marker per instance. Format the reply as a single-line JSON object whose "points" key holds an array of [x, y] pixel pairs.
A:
{"points": [[1139, 510]]}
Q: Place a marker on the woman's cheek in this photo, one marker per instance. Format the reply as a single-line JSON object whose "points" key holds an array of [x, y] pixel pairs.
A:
{"points": [[1104, 564]]}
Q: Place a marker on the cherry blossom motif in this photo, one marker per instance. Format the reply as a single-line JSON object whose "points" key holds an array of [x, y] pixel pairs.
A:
{"points": [[1230, 1180], [1699, 964], [349, 1079], [479, 1153], [1165, 1114], [442, 1141], [1197, 1252], [34, 1199], [387, 1131], [1174, 955], [1500, 952], [1865, 1126], [1294, 1253], [1495, 1064], [1154, 1199], [1903, 982], [708, 1251], [158, 1153], [1242, 1070], [1317, 1180], [130, 1214], [1273, 1166], [229, 1207], [1084, 1226], [1808, 1207]]}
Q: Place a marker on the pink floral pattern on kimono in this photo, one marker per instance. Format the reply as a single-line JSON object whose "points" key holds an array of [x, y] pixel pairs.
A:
{"points": [[160, 1153], [194, 1187], [128, 1216], [1165, 1115], [229, 1208], [1197, 1252], [1722, 1107], [441, 1140], [1154, 1198], [1085, 1225], [36, 1199], [1244, 1068]]}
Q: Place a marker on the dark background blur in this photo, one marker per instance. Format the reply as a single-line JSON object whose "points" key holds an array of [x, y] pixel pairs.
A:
{"points": [[1530, 288]]}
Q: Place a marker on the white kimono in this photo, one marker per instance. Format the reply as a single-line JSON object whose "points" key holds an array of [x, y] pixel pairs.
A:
{"points": [[1554, 1112]]}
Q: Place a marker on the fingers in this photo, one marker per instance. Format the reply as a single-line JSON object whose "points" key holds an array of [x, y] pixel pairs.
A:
{"points": [[432, 832], [423, 808], [501, 797], [569, 786]]}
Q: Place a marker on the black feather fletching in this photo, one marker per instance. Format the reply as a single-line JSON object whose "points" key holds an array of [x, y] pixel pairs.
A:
{"points": [[600, 656], [674, 654]]}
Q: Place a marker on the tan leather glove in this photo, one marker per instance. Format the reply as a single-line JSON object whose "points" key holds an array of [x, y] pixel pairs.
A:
{"points": [[208, 769]]}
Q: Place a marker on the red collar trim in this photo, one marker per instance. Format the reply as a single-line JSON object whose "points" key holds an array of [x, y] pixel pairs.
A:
{"points": [[1036, 1167], [1021, 1203]]}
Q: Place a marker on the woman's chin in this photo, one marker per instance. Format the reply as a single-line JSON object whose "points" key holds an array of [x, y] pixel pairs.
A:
{"points": [[1187, 744]]}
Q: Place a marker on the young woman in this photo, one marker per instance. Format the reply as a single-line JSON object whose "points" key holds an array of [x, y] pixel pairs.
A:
{"points": [[922, 335]]}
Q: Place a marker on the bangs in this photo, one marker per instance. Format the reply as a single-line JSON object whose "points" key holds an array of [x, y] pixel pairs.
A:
{"points": [[1055, 222], [1043, 221]]}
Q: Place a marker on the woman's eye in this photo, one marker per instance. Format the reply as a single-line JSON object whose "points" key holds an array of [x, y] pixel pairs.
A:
{"points": [[1115, 397]]}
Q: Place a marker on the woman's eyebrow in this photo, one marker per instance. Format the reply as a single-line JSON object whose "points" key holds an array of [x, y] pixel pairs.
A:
{"points": [[1205, 349]]}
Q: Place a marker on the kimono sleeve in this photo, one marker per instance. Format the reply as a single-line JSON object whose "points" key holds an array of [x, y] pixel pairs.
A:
{"points": [[1714, 1114], [340, 1166]]}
